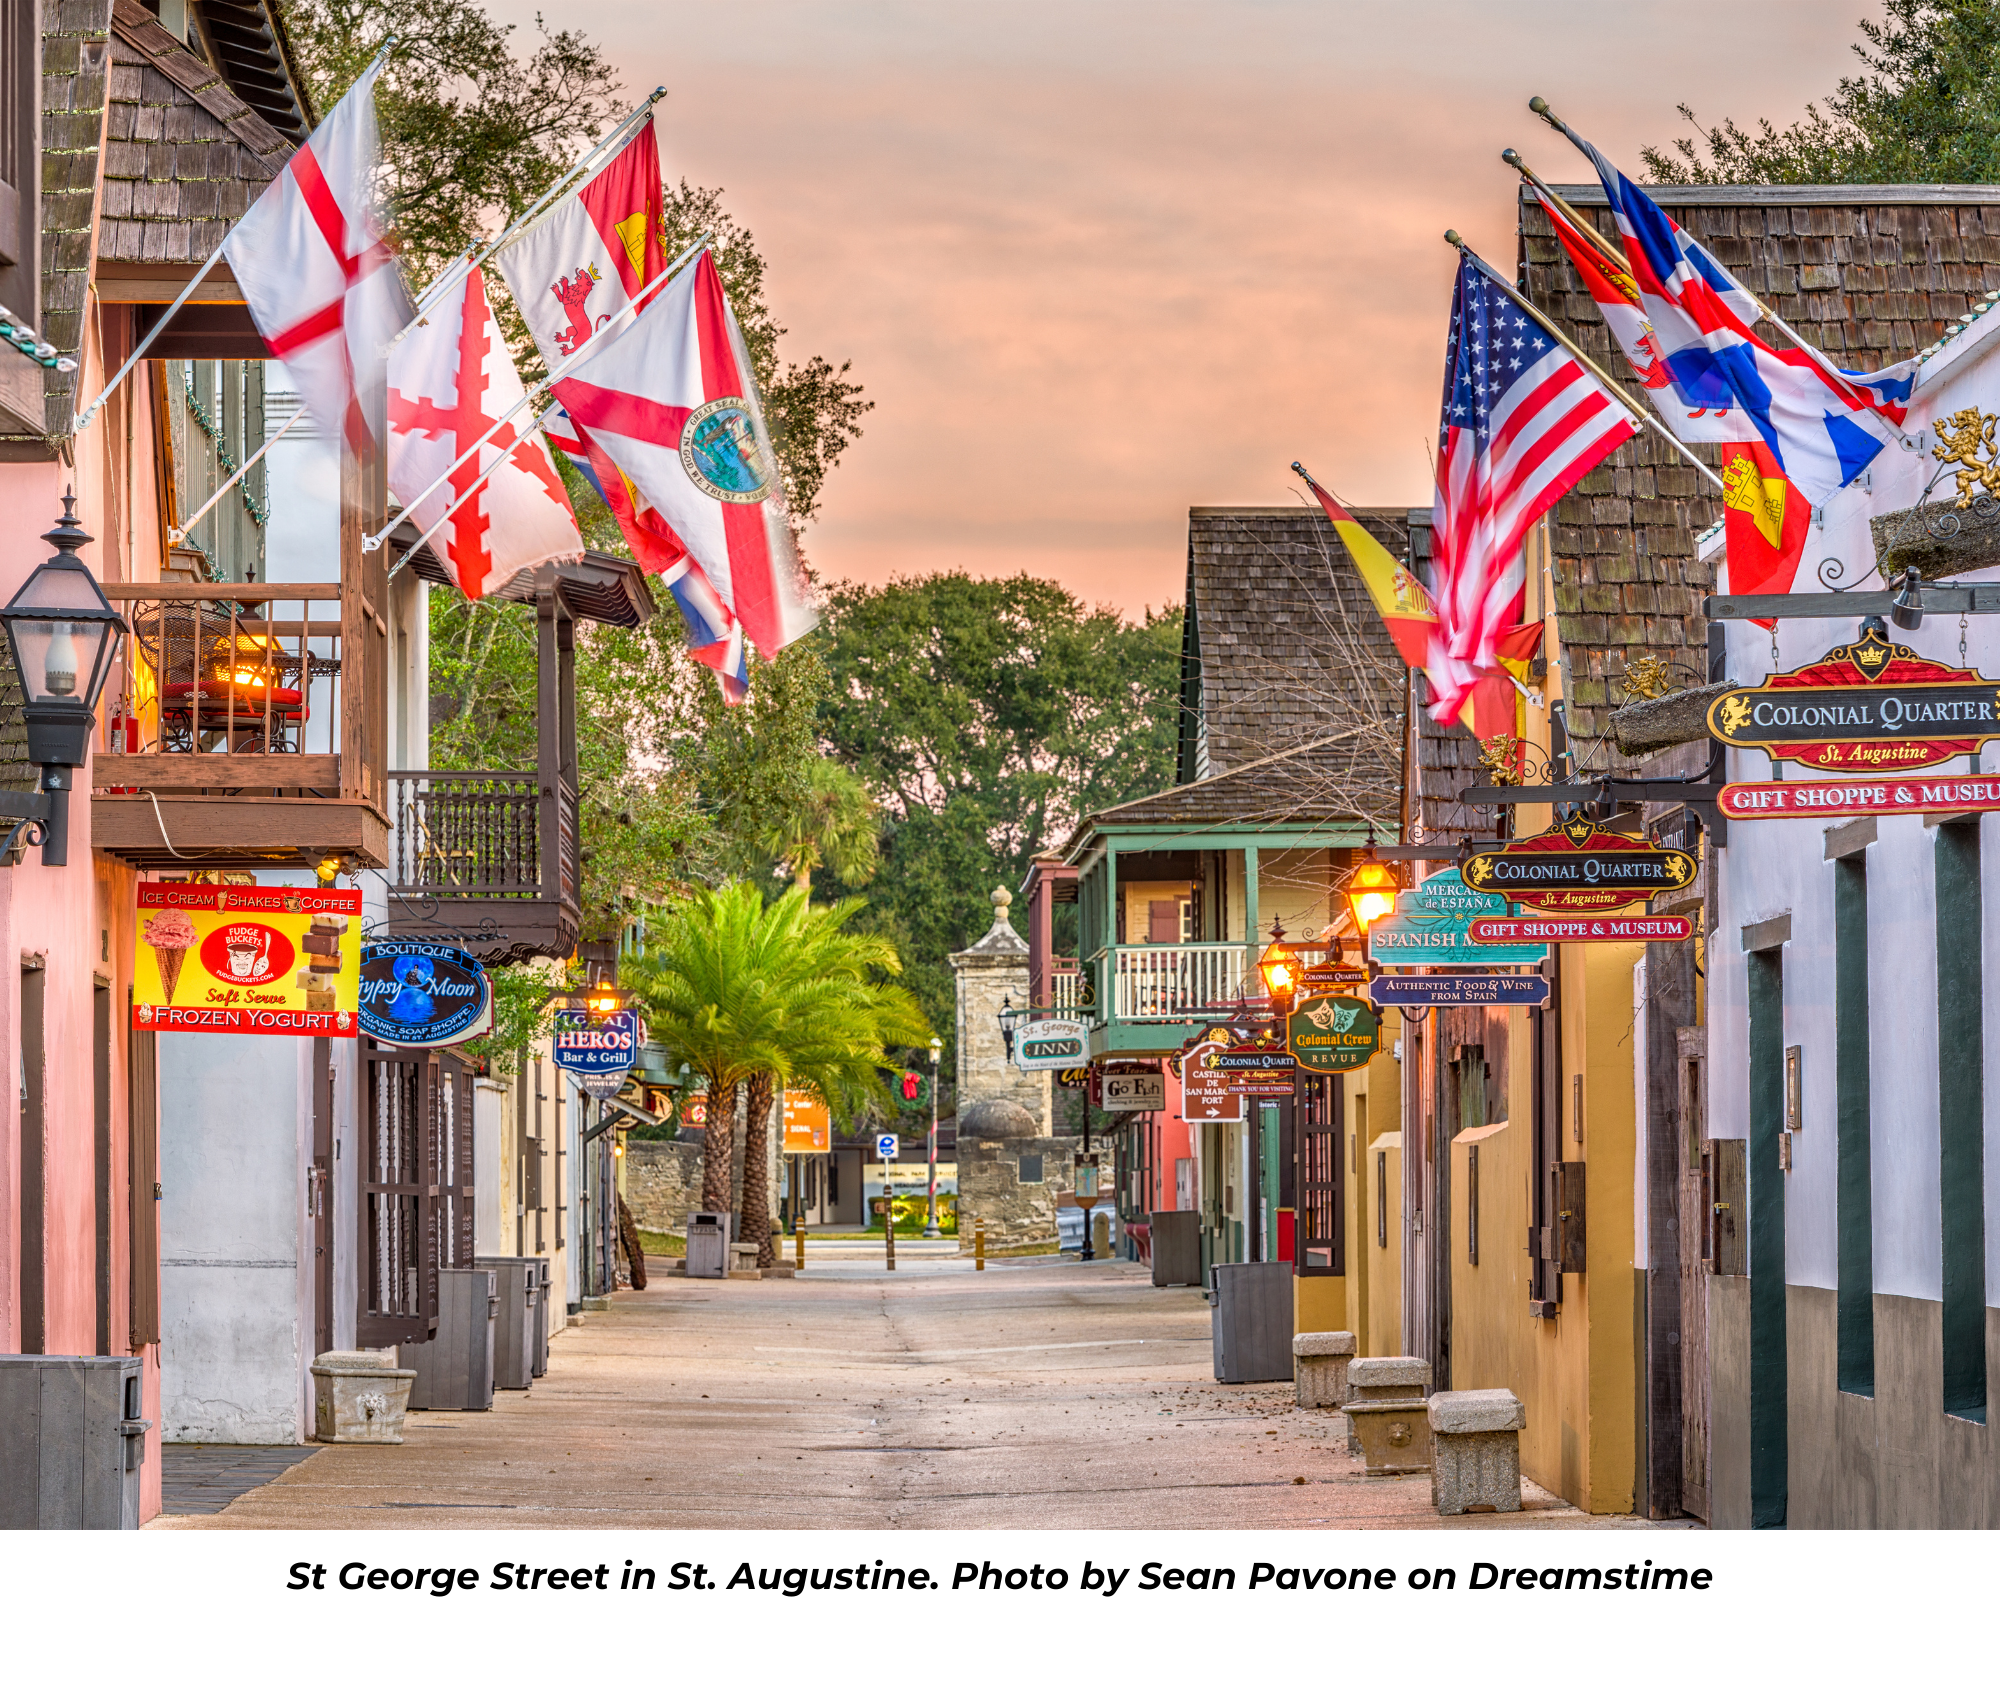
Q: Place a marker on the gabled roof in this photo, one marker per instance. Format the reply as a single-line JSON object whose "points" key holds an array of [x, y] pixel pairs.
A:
{"points": [[1870, 272], [246, 41], [1281, 643], [1331, 778], [184, 154]]}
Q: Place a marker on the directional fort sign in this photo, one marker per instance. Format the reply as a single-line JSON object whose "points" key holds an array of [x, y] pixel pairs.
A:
{"points": [[1580, 868], [1431, 927], [1870, 706], [1453, 990], [1545, 930], [1043, 1047]]}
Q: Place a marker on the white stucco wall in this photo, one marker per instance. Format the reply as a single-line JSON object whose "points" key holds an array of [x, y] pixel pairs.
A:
{"points": [[1773, 867]]}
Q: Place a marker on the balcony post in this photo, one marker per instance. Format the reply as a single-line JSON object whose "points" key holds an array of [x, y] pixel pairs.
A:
{"points": [[1250, 927], [364, 601], [549, 740]]}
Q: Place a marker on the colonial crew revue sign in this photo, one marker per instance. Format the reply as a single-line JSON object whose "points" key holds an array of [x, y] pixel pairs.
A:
{"points": [[269, 959], [1870, 706], [1580, 868], [1331, 1035]]}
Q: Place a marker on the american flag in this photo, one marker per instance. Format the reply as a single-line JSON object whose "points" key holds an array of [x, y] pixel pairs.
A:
{"points": [[1522, 422]]}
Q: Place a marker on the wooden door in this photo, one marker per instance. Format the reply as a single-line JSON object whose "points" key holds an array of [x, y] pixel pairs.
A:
{"points": [[1696, 1212], [398, 1216]]}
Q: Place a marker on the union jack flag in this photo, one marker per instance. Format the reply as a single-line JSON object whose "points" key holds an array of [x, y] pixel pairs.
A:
{"points": [[1522, 422]]}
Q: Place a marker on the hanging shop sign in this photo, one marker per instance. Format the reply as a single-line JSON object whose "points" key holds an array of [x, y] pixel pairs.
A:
{"points": [[1041, 1047], [269, 959], [1580, 867], [1076, 1079], [1332, 1034], [1130, 1085], [598, 1049], [1960, 794], [1864, 707], [1436, 991], [1431, 927], [808, 1125], [1258, 1070], [1207, 1093], [422, 996], [1545, 930]]}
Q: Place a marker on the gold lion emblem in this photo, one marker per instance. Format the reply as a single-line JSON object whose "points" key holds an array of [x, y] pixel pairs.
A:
{"points": [[1479, 868], [1731, 713], [1960, 440], [1679, 868]]}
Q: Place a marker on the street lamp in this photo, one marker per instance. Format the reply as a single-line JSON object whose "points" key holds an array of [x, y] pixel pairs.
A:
{"points": [[931, 1225], [603, 998], [63, 634], [1010, 1018], [1371, 894], [1279, 965]]}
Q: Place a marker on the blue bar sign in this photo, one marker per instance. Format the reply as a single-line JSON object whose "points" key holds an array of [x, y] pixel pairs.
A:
{"points": [[1431, 990]]}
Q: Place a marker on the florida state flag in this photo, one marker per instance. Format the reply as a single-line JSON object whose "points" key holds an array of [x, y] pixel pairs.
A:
{"points": [[1764, 519], [449, 380]]}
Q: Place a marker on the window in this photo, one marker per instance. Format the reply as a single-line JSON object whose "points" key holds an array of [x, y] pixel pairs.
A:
{"points": [[1382, 1199], [1961, 1120], [20, 85], [32, 1283], [1031, 1171], [1472, 1205], [1854, 1206]]}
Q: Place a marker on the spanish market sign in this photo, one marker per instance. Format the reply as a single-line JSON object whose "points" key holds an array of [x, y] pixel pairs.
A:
{"points": [[273, 959], [1960, 794], [598, 1049], [1207, 1094], [1580, 867], [1330, 1035], [422, 996], [1043, 1047], [1453, 990], [1599, 929], [1864, 707], [1431, 927]]}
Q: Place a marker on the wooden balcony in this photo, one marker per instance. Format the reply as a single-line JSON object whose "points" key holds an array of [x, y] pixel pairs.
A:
{"points": [[244, 727], [486, 861]]}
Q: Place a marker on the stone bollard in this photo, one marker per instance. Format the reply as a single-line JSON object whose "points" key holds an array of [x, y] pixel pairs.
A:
{"points": [[1477, 1439], [1388, 1421], [360, 1397], [1319, 1369]]}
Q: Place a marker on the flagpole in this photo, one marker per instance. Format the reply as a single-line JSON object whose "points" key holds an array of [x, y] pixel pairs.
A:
{"points": [[1643, 414], [181, 300], [593, 346], [480, 482], [1586, 228], [454, 273], [1540, 108]]}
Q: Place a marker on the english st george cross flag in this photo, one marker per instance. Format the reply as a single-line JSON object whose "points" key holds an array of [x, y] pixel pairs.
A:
{"points": [[1522, 422], [571, 271], [449, 380], [321, 285]]}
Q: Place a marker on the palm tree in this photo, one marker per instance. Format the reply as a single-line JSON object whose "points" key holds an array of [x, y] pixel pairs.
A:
{"points": [[764, 997], [829, 823]]}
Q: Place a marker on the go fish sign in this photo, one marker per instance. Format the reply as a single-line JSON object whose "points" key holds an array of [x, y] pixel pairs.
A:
{"points": [[247, 959]]}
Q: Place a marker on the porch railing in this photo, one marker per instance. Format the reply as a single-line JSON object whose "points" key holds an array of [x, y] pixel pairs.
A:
{"points": [[1171, 981], [1070, 994]]}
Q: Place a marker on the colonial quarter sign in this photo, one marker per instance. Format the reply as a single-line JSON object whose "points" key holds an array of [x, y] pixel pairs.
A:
{"points": [[1580, 868], [1870, 706]]}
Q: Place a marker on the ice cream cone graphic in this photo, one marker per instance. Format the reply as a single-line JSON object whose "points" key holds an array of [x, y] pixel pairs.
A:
{"points": [[171, 934]]}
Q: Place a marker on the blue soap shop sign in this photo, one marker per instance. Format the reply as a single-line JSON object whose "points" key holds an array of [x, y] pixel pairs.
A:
{"points": [[1431, 928], [422, 996], [598, 1049]]}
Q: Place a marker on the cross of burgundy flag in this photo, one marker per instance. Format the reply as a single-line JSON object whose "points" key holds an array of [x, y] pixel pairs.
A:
{"points": [[571, 271], [449, 380], [1522, 423], [321, 285]]}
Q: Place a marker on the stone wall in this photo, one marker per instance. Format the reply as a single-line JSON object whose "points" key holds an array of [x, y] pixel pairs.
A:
{"points": [[992, 972], [662, 1183], [993, 1138]]}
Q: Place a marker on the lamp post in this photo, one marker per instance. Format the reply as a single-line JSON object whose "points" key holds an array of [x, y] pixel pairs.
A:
{"points": [[63, 634], [1010, 1018], [931, 1225], [1279, 966], [1371, 895]]}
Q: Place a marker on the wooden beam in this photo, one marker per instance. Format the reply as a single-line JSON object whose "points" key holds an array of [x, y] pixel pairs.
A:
{"points": [[293, 831], [217, 772], [132, 591], [136, 282]]}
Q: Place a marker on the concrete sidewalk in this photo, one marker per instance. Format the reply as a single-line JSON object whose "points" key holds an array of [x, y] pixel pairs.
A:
{"points": [[1064, 1395]]}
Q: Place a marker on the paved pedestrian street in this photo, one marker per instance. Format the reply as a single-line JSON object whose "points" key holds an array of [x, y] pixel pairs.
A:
{"points": [[1044, 1395]]}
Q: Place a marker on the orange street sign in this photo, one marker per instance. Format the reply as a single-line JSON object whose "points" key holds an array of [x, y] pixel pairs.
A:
{"points": [[808, 1125]]}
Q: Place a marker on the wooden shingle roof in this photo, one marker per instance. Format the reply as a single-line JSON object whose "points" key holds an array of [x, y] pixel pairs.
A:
{"points": [[1282, 646], [1328, 778], [1868, 272]]}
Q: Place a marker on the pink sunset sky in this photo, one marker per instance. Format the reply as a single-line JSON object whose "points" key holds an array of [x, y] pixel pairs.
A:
{"points": [[1100, 261]]}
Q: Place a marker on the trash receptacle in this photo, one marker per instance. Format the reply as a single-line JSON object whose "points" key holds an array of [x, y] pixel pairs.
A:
{"points": [[1253, 1321], [72, 1442], [1176, 1248], [708, 1244], [542, 1291], [515, 1321], [455, 1366]]}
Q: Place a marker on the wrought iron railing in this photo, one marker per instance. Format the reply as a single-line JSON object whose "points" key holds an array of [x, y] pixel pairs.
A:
{"points": [[482, 835]]}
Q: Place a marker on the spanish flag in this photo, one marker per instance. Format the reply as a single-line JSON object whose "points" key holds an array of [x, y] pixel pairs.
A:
{"points": [[1404, 604]]}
